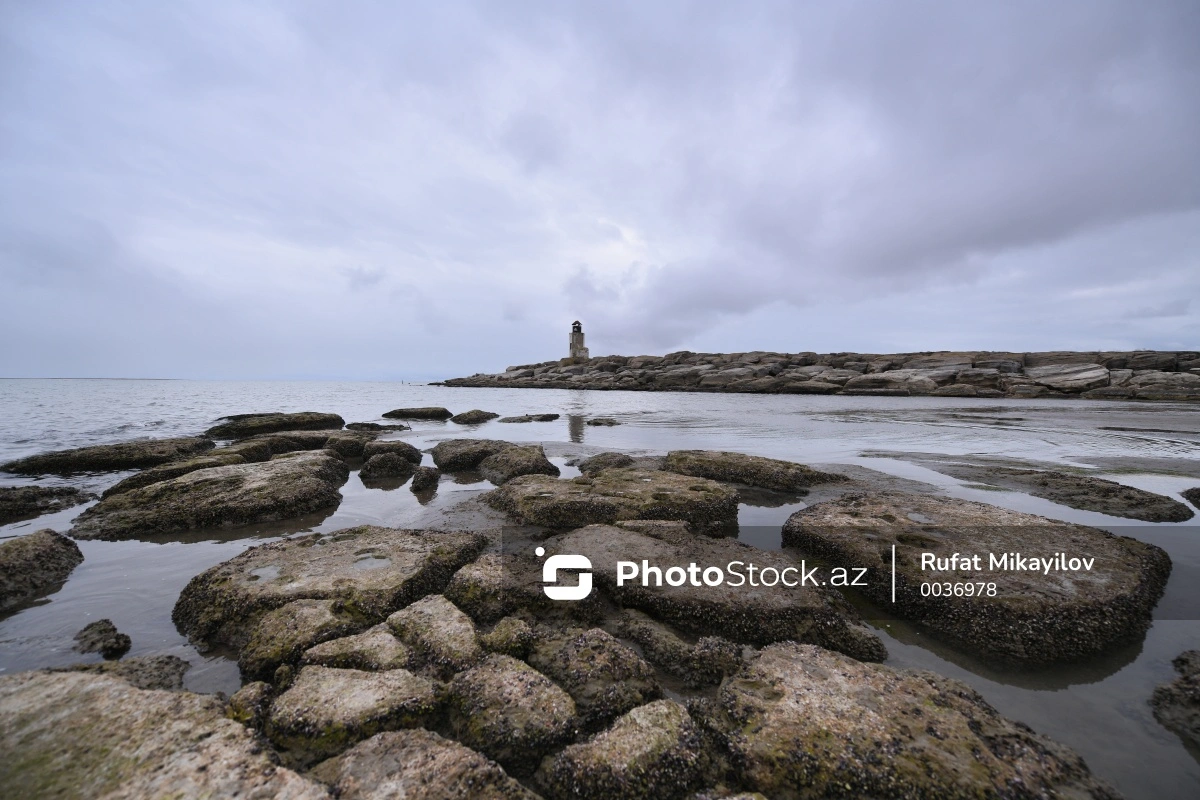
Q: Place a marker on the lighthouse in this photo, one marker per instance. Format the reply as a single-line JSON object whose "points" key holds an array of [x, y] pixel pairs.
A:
{"points": [[578, 351]]}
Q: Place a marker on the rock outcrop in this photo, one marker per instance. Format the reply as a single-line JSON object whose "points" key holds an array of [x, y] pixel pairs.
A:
{"points": [[138, 454], [458, 455], [35, 565], [530, 418]]}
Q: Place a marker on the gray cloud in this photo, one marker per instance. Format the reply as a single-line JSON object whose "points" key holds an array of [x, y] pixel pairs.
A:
{"points": [[466, 180]]}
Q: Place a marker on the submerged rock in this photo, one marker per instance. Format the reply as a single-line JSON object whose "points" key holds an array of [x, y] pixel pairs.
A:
{"points": [[473, 417], [441, 635], [767, 473], [137, 454], [604, 677], [654, 752], [425, 479], [237, 494], [531, 418], [241, 426], [1177, 704], [58, 732], [25, 502], [616, 494], [102, 637], [603, 422], [35, 565], [427, 412], [734, 609], [510, 712], [417, 765], [800, 721], [1035, 616], [373, 650], [327, 710], [373, 570], [456, 455], [603, 461], [386, 465], [1077, 491], [512, 462], [145, 672]]}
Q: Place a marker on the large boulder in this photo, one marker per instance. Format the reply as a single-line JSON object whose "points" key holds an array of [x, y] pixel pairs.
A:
{"points": [[1033, 614], [803, 722], [767, 473], [327, 710], [35, 565], [1177, 704], [374, 571], [1077, 491], [137, 454], [440, 635], [616, 494], [400, 448], [81, 735], [427, 412], [897, 381], [457, 455], [655, 752], [238, 494], [767, 611], [1069, 377], [25, 502], [417, 765], [473, 417], [604, 677], [241, 426], [510, 712], [384, 466], [512, 462]]}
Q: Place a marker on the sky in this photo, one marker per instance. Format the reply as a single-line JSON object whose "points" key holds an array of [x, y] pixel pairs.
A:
{"points": [[391, 190]]}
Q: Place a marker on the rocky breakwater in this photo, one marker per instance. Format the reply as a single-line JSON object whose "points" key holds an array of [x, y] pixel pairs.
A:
{"points": [[1136, 375]]}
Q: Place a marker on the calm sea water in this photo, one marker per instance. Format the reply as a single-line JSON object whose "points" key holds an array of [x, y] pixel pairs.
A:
{"points": [[1098, 708]]}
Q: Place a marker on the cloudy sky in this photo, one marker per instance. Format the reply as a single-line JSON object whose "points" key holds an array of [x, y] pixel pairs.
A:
{"points": [[412, 190]]}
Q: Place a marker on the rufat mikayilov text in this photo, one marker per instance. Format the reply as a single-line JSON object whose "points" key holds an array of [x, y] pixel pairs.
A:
{"points": [[1005, 562]]}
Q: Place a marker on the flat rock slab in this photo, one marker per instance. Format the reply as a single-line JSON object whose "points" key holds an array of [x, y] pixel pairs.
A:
{"points": [[417, 765], [530, 418], [456, 455], [474, 417], [374, 570], [513, 462], [800, 721], [616, 494], [240, 426], [1076, 491], [238, 494], [766, 473], [137, 454], [426, 412], [165, 472], [742, 613], [1035, 617], [327, 710], [439, 634], [35, 565], [652, 753], [1177, 704], [372, 650], [26, 502], [510, 712], [346, 444], [80, 735]]}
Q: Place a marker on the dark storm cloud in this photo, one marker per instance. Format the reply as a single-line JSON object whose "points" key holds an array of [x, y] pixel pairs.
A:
{"points": [[379, 189]]}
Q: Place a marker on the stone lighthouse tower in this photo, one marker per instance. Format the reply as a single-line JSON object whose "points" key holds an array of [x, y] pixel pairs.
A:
{"points": [[578, 351]]}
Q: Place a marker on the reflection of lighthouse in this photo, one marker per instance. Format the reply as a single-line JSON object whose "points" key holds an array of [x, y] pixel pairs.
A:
{"points": [[578, 351]]}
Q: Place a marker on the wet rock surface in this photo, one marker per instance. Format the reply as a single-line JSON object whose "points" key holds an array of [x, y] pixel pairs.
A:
{"points": [[440, 635], [510, 712], [79, 735], [513, 462], [403, 449], [1177, 704], [282, 635], [145, 672], [372, 650], [457, 455], [1035, 616], [743, 613], [602, 422], [372, 570], [175, 469], [386, 465], [239, 494], [417, 765], [327, 710], [240, 426], [767, 473], [705, 663], [475, 416], [375, 426], [603, 461], [35, 565], [604, 677], [102, 637], [426, 412], [425, 479], [1077, 491], [25, 502], [800, 721], [138, 454], [616, 494], [530, 418]]}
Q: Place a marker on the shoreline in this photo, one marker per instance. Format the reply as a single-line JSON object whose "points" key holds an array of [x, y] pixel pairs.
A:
{"points": [[1164, 376]]}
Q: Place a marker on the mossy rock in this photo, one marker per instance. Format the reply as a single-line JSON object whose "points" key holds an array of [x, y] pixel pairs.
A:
{"points": [[440, 635], [282, 635], [373, 650], [138, 454], [35, 565], [240, 426], [25, 502], [512, 462], [766, 473]]}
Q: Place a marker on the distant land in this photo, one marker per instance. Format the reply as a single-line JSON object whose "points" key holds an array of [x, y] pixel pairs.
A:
{"points": [[1128, 375]]}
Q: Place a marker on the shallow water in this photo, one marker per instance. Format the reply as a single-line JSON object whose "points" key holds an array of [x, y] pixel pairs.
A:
{"points": [[1098, 708]]}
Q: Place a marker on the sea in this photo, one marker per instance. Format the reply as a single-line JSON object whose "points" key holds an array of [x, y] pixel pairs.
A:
{"points": [[1099, 708]]}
